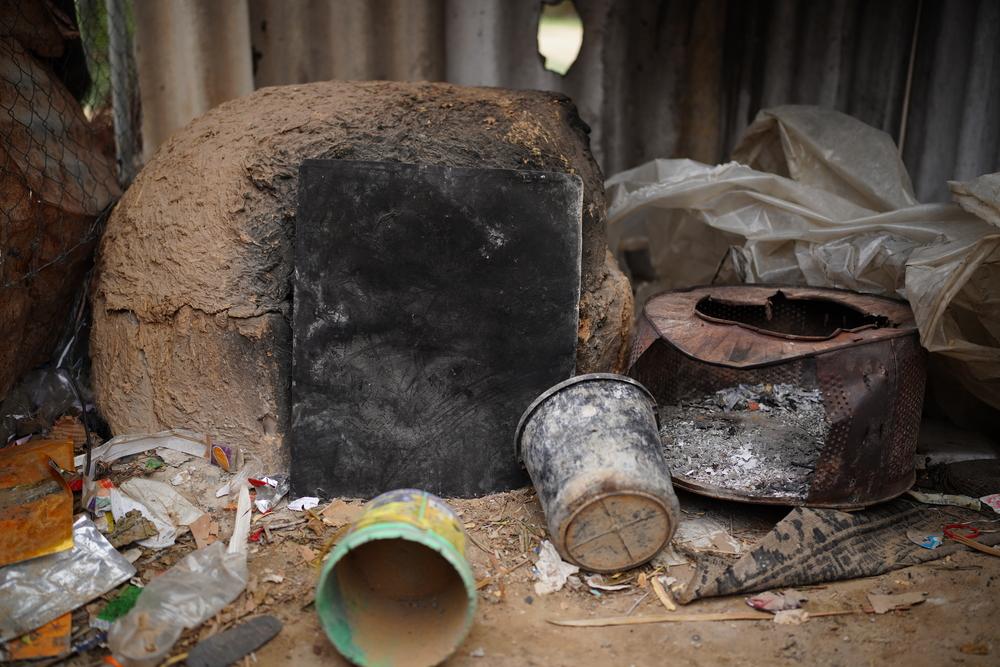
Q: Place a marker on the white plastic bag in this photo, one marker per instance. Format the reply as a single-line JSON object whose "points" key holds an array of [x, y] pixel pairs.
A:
{"points": [[843, 217]]}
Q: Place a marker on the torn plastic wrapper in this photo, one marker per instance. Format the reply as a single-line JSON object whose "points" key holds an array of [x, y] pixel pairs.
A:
{"points": [[836, 210], [40, 590], [270, 490], [186, 595]]}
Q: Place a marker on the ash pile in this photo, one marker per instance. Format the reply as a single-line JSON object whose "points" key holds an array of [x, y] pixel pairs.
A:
{"points": [[760, 440]]}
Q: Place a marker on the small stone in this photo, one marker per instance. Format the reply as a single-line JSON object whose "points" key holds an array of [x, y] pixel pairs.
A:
{"points": [[478, 653]]}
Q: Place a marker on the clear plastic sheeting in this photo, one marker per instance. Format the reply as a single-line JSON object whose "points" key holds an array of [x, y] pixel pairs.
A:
{"points": [[40, 590], [185, 596], [834, 208]]}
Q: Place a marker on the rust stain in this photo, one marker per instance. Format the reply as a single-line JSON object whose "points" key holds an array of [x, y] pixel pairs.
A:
{"points": [[860, 351], [36, 505]]}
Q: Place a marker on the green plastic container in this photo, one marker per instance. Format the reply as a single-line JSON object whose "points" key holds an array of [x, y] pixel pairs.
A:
{"points": [[398, 590]]}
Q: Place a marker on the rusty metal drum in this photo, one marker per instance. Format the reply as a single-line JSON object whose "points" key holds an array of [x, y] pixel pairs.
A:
{"points": [[791, 395], [591, 447]]}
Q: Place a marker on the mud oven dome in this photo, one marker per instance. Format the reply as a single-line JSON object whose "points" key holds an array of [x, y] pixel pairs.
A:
{"points": [[192, 297], [797, 396]]}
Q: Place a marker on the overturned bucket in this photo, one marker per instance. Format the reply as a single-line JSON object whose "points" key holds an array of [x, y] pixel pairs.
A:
{"points": [[591, 447], [397, 590]]}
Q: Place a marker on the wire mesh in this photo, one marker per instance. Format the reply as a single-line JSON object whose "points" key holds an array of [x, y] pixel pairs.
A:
{"points": [[67, 94]]}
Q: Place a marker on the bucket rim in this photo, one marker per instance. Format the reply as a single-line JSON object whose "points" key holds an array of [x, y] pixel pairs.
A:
{"points": [[387, 531], [557, 388]]}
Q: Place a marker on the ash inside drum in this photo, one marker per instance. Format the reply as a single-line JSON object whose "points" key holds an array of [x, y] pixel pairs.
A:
{"points": [[752, 440]]}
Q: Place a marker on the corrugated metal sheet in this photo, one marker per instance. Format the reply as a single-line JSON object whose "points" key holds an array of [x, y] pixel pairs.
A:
{"points": [[671, 78]]}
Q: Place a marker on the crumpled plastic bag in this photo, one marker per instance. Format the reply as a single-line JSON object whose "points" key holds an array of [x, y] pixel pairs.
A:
{"points": [[824, 200], [186, 595], [551, 571]]}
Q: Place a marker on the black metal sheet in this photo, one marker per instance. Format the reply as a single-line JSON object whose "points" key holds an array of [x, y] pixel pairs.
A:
{"points": [[432, 305]]}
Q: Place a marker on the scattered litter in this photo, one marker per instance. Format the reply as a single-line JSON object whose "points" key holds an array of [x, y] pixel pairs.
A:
{"points": [[759, 440], [791, 616], [550, 570], [132, 555], [186, 595], [181, 479], [882, 604], [992, 501], [226, 648], [98, 496], [597, 581], [662, 593], [173, 457], [669, 557], [51, 640], [121, 446], [925, 539], [120, 605], [241, 526], [238, 481], [339, 513], [308, 555], [775, 602], [704, 534], [132, 527], [975, 649], [945, 499], [228, 458], [273, 578], [270, 490], [160, 503], [477, 653], [69, 427], [951, 532], [303, 503], [42, 589], [204, 531]]}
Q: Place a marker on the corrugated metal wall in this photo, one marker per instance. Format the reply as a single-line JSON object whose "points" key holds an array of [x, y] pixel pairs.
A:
{"points": [[670, 78]]}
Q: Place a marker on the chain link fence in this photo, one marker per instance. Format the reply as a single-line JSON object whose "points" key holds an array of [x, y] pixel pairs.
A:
{"points": [[68, 147]]}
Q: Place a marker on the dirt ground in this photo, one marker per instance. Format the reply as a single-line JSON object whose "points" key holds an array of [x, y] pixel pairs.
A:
{"points": [[956, 624]]}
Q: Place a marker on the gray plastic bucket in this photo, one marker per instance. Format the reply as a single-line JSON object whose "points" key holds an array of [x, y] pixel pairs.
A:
{"points": [[592, 448]]}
